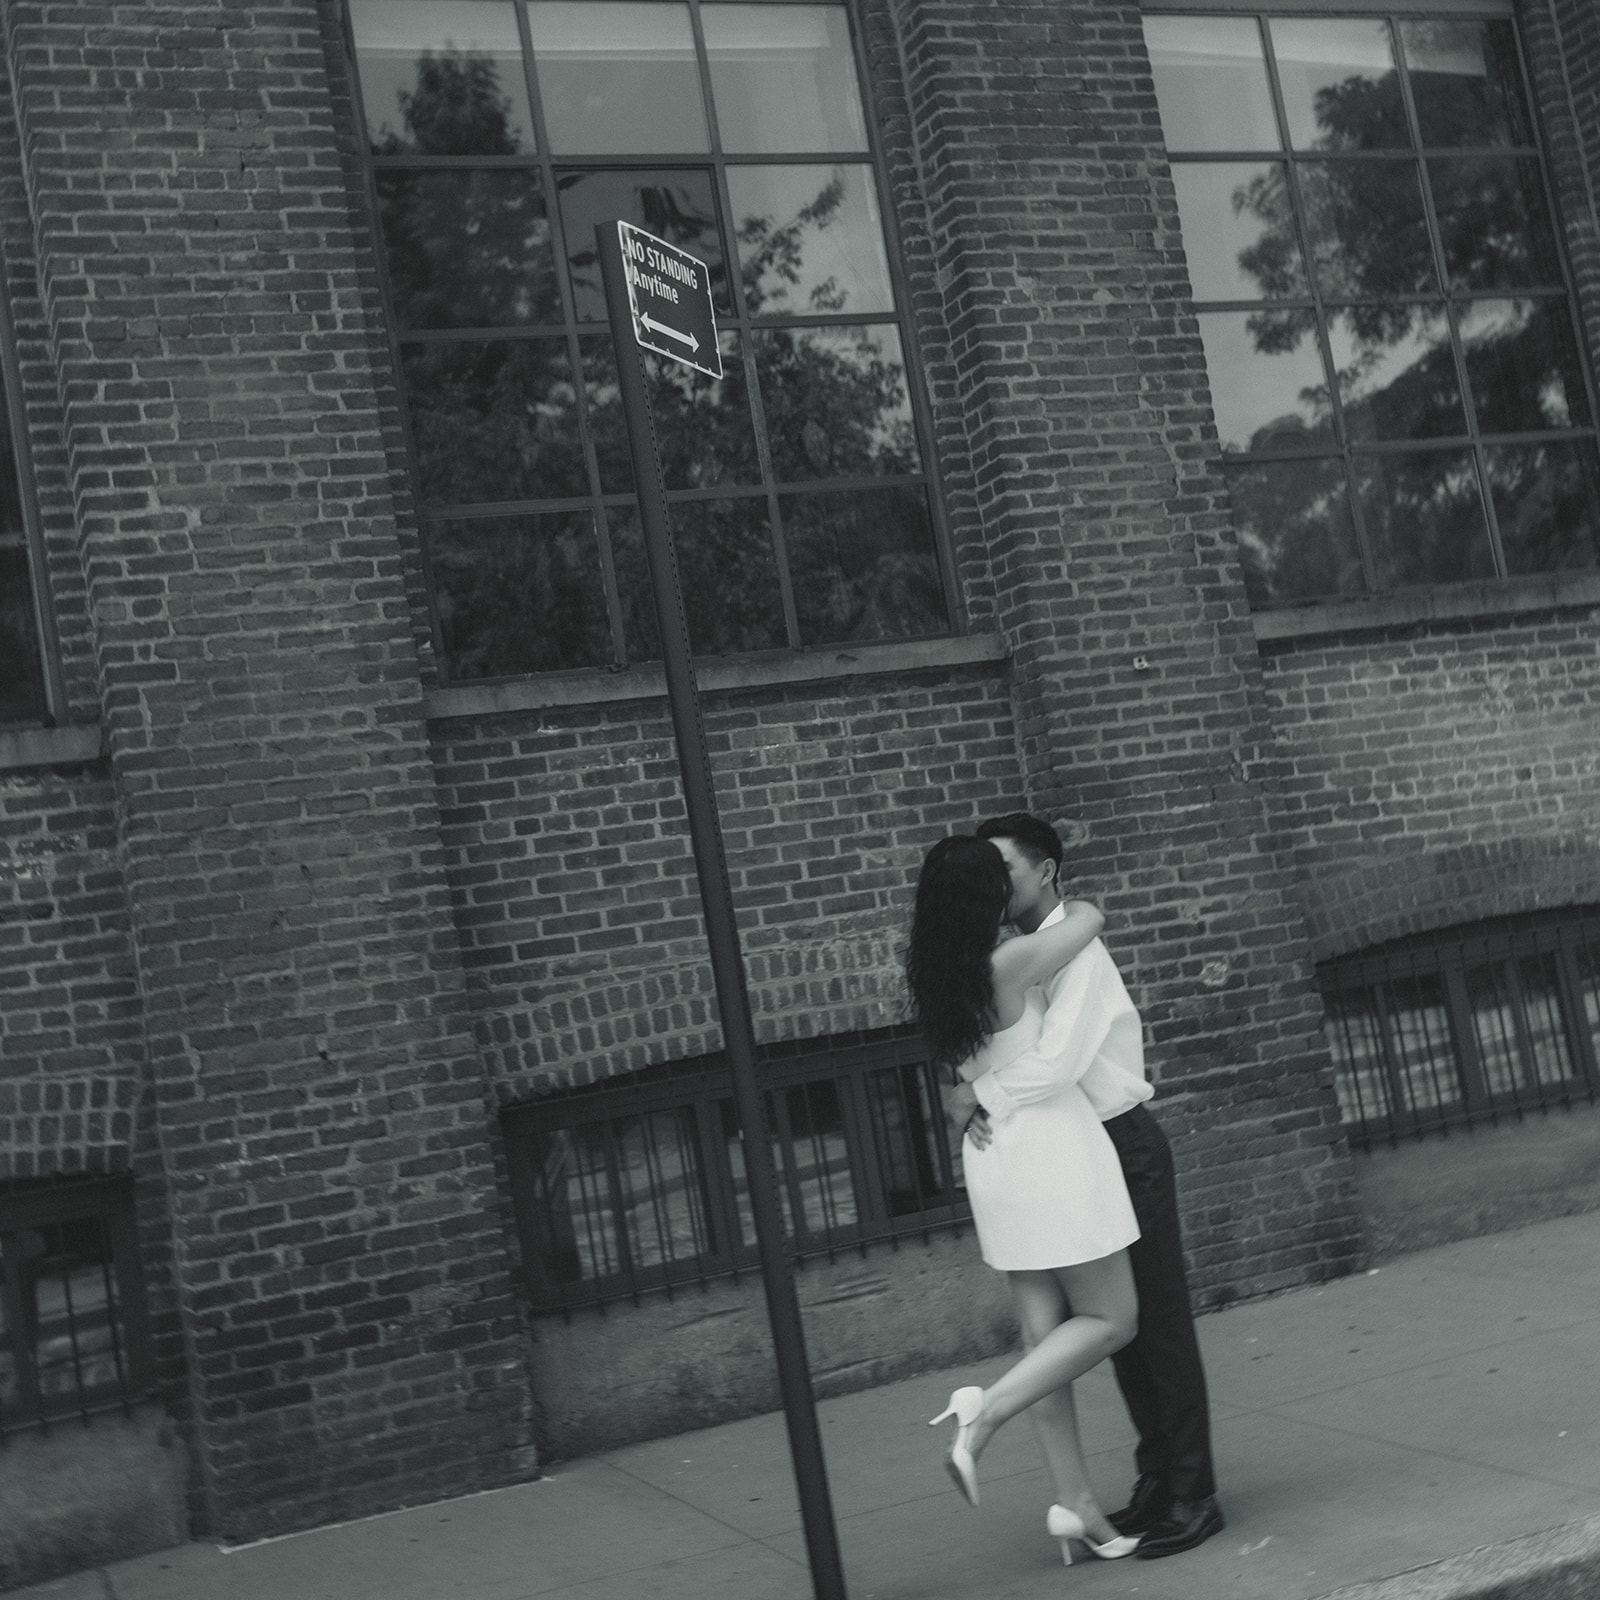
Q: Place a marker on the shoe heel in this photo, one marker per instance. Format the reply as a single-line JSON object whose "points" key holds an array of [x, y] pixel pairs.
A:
{"points": [[1064, 1526], [965, 1404]]}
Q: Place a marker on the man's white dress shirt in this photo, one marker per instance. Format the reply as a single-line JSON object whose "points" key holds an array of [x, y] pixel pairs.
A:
{"points": [[1091, 1036]]}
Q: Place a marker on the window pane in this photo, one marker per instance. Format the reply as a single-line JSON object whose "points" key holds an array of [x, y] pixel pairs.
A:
{"points": [[664, 1210], [726, 568], [1549, 1057], [906, 1117], [1493, 223], [783, 78], [1421, 1045], [70, 1304], [810, 240], [577, 1239], [704, 430], [1238, 230], [863, 565], [1424, 517], [1494, 1026], [468, 249], [1211, 83], [21, 669], [617, 77], [442, 80], [1296, 535], [1340, 88], [518, 594], [620, 1196], [1522, 363], [836, 402], [1268, 387], [1368, 229], [1547, 503], [1360, 1075], [676, 206], [814, 1171], [1397, 372], [495, 421], [1466, 82], [603, 400], [1587, 957]]}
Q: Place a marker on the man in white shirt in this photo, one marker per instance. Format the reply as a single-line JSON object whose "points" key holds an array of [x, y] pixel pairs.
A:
{"points": [[1092, 1036]]}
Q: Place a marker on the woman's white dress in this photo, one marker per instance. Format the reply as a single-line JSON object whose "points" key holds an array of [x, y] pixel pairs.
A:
{"points": [[1048, 1189]]}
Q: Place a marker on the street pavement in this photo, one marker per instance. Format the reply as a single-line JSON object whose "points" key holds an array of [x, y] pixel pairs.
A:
{"points": [[1364, 1429]]}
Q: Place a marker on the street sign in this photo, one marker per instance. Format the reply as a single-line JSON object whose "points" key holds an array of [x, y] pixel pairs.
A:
{"points": [[669, 299]]}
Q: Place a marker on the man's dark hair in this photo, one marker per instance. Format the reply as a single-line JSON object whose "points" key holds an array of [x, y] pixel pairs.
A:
{"points": [[1033, 836]]}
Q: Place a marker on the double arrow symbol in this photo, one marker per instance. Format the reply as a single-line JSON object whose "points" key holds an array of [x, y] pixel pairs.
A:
{"points": [[647, 321]]}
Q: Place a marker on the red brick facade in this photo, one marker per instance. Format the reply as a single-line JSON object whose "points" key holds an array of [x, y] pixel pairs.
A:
{"points": [[285, 947]]}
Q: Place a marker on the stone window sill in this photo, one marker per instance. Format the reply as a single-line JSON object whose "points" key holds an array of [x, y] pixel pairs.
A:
{"points": [[1550, 591], [49, 747], [648, 682]]}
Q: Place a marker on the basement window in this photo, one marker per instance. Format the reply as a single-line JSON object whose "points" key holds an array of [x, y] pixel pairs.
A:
{"points": [[74, 1333], [639, 1184], [1467, 1025]]}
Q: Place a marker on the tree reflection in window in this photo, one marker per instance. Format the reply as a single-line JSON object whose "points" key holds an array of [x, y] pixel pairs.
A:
{"points": [[1425, 373], [492, 165]]}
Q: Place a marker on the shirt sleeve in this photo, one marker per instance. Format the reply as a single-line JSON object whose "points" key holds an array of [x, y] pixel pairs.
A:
{"points": [[1086, 998]]}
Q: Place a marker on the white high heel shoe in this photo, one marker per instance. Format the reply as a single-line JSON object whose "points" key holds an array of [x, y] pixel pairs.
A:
{"points": [[1068, 1525], [965, 1404]]}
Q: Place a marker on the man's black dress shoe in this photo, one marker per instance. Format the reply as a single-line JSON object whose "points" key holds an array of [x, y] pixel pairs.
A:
{"points": [[1147, 1506], [1186, 1524]]}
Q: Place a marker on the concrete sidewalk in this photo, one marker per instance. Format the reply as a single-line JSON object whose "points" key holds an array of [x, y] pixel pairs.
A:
{"points": [[1371, 1426]]}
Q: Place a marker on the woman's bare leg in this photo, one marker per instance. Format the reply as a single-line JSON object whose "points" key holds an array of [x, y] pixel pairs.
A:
{"points": [[1072, 1318]]}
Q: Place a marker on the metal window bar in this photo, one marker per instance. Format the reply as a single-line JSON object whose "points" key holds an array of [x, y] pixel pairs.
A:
{"points": [[860, 1144], [1466, 1025]]}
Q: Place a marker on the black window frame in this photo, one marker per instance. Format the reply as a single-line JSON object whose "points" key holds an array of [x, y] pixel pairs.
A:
{"points": [[30, 539], [852, 1068], [739, 322], [26, 1208], [1345, 451], [1400, 1017]]}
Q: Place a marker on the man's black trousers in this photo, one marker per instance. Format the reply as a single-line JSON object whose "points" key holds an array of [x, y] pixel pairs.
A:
{"points": [[1159, 1372]]}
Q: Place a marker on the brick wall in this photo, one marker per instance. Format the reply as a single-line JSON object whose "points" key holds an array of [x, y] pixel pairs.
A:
{"points": [[285, 947], [574, 887], [1141, 713], [70, 1038], [1438, 774], [319, 1110]]}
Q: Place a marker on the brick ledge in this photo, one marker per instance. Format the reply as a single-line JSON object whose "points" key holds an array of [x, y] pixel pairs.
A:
{"points": [[1452, 602], [49, 747], [745, 672]]}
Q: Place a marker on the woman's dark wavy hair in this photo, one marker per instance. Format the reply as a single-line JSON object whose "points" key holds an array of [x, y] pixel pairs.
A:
{"points": [[961, 899]]}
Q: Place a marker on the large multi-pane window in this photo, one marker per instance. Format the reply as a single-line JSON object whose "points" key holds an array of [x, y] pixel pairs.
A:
{"points": [[798, 485], [1389, 330]]}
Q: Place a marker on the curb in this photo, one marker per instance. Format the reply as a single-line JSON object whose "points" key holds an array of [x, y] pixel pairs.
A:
{"points": [[1560, 1564]]}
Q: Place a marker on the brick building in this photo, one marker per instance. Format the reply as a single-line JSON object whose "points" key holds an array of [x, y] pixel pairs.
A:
{"points": [[1178, 421]]}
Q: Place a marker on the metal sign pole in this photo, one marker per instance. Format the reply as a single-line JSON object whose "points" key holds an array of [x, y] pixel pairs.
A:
{"points": [[783, 1306]]}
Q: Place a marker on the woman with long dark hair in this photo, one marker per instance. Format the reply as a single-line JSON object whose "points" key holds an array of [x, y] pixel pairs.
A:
{"points": [[1048, 1198]]}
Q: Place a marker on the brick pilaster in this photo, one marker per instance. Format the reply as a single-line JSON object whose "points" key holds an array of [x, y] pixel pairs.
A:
{"points": [[320, 1107], [1140, 709]]}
